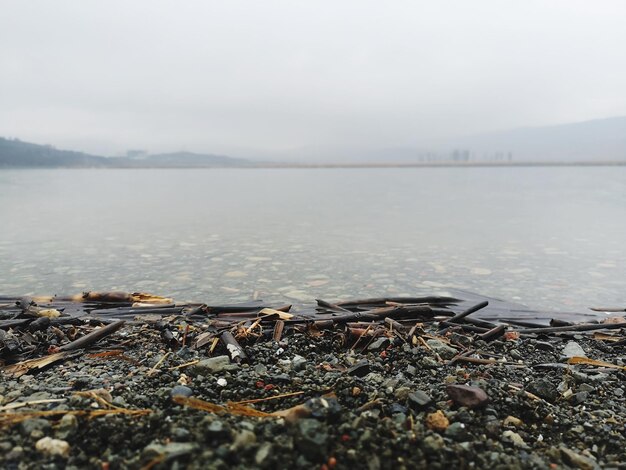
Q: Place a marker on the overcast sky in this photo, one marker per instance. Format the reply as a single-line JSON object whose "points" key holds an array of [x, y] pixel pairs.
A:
{"points": [[240, 77]]}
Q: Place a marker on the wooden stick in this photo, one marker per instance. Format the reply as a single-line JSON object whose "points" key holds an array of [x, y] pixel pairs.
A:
{"points": [[93, 337], [493, 333], [469, 311], [235, 350], [581, 327]]}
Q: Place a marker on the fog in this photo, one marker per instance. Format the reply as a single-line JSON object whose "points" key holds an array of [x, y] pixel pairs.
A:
{"points": [[254, 79]]}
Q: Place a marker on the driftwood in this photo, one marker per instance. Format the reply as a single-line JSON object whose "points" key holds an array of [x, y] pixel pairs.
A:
{"points": [[93, 337], [235, 351]]}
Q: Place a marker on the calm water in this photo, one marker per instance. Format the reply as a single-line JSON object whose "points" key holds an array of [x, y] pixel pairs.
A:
{"points": [[547, 237]]}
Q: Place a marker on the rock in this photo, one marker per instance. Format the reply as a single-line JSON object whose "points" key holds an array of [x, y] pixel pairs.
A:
{"points": [[512, 421], [576, 460], [216, 428], [53, 447], [402, 393], [243, 439], [378, 344], [433, 443], [214, 365], [181, 391], [543, 388], [544, 346], [437, 421], [419, 399], [298, 363], [310, 438], [441, 348], [430, 363], [466, 395], [34, 424], [170, 450], [456, 431], [360, 369], [579, 398], [397, 408], [572, 349], [67, 426], [222, 382], [514, 438], [262, 456]]}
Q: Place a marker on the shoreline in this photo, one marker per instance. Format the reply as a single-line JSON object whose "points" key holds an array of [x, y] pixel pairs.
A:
{"points": [[374, 383]]}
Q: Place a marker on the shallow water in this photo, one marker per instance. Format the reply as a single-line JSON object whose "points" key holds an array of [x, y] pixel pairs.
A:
{"points": [[547, 237]]}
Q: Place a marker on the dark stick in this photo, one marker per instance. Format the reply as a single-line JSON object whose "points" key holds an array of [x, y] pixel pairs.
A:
{"points": [[583, 327], [235, 351], [469, 311], [493, 333], [93, 337], [333, 307], [278, 330]]}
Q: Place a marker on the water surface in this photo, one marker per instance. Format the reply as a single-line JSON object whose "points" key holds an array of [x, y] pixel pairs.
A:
{"points": [[547, 237]]}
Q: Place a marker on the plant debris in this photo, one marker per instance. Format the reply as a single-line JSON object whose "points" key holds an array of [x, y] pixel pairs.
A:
{"points": [[119, 380]]}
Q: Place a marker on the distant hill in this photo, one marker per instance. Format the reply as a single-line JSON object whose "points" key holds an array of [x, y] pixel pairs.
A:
{"points": [[597, 140], [17, 154], [602, 140]]}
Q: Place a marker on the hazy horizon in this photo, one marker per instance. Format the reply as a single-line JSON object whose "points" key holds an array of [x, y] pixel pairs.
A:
{"points": [[249, 80]]}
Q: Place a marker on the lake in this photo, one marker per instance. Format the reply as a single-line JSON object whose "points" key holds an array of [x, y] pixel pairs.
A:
{"points": [[549, 237]]}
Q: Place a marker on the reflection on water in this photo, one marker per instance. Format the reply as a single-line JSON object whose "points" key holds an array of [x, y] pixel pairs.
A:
{"points": [[547, 237]]}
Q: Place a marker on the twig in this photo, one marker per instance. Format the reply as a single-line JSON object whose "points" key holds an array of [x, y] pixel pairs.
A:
{"points": [[156, 366], [93, 337]]}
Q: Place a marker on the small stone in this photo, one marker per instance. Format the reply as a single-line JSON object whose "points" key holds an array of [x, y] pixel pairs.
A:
{"points": [[433, 443], [397, 408], [311, 438], [544, 346], [576, 460], [402, 393], [543, 388], [378, 344], [34, 424], [53, 447], [419, 399], [221, 382], [430, 362], [172, 449], [67, 426], [512, 421], [216, 428], [441, 348], [466, 395], [262, 456], [181, 391], [514, 438], [243, 439], [360, 369], [572, 349], [437, 421], [214, 365], [579, 398], [456, 431], [298, 363]]}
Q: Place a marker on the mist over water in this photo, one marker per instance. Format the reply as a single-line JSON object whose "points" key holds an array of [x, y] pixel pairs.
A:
{"points": [[547, 237]]}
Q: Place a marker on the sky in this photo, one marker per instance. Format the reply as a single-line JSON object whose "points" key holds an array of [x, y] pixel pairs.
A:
{"points": [[250, 78]]}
